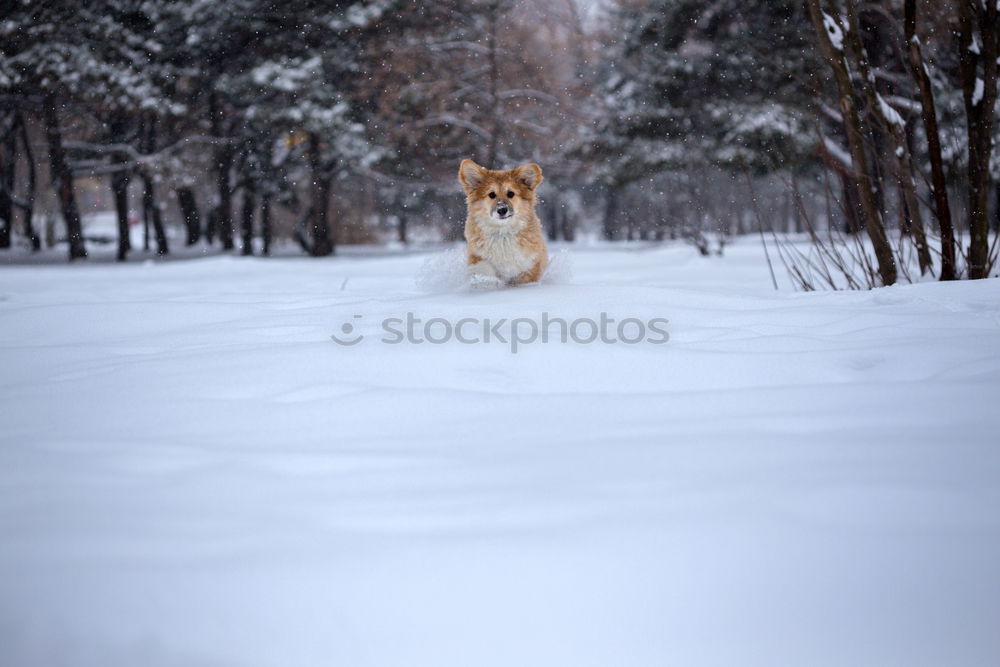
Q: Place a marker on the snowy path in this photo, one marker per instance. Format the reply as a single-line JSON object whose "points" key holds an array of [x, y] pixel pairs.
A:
{"points": [[192, 473]]}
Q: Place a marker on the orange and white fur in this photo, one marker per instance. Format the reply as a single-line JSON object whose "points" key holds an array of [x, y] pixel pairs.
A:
{"points": [[504, 235]]}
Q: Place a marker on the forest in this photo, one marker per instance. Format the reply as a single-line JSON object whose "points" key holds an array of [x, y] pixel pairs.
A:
{"points": [[868, 126]]}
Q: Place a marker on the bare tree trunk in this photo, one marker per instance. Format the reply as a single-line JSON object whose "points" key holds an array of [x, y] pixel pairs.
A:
{"points": [[246, 226], [151, 212], [891, 125], [798, 226], [150, 204], [552, 221], [265, 223], [610, 227], [211, 224], [493, 10], [660, 232], [850, 203], [161, 233], [62, 180], [929, 116], [28, 207], [908, 188], [119, 191], [978, 70], [322, 244], [8, 172], [786, 212], [996, 207], [119, 188], [224, 211], [561, 214], [401, 229], [189, 211], [855, 140], [569, 229], [853, 215], [146, 222], [301, 235], [225, 155], [630, 231]]}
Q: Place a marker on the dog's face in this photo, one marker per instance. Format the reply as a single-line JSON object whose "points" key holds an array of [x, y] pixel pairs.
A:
{"points": [[499, 198]]}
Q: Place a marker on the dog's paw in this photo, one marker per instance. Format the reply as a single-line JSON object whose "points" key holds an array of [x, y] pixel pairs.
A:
{"points": [[479, 281]]}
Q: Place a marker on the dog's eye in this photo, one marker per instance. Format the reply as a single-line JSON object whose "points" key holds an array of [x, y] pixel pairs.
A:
{"points": [[493, 195], [510, 194]]}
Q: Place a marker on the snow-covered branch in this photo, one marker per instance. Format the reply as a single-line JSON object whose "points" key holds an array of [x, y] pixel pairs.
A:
{"points": [[533, 127], [459, 44], [905, 102], [528, 92], [837, 152], [136, 159], [451, 119]]}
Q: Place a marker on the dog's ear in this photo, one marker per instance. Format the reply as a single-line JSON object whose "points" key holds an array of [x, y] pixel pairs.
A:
{"points": [[470, 175], [530, 175]]}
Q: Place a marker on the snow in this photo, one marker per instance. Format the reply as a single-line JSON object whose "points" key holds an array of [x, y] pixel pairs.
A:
{"points": [[103, 226], [287, 76], [834, 31], [195, 474], [977, 92], [838, 152], [891, 115]]}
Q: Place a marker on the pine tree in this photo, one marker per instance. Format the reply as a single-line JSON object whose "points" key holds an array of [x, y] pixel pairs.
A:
{"points": [[61, 56], [720, 83]]}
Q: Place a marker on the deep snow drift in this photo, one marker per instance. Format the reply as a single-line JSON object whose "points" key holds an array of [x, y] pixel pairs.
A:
{"points": [[193, 473]]}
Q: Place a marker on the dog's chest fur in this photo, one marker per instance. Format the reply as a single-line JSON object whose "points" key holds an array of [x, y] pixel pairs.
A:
{"points": [[504, 251]]}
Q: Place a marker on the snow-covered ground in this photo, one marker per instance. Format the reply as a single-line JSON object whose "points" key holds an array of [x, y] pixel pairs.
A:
{"points": [[192, 473]]}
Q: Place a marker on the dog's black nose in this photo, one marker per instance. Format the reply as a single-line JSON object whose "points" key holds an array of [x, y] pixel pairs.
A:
{"points": [[502, 210]]}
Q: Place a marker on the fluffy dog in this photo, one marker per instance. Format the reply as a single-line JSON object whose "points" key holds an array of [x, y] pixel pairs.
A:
{"points": [[505, 241]]}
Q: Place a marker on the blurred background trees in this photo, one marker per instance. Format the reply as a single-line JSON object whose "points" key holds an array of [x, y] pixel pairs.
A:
{"points": [[252, 125]]}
